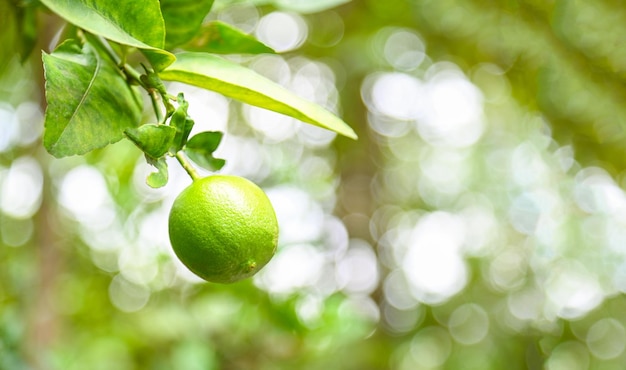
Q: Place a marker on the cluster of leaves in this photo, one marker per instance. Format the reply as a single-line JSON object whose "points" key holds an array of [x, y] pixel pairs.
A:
{"points": [[93, 86]]}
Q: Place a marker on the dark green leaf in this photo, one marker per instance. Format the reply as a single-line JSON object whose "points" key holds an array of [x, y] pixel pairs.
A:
{"points": [[182, 122], [153, 139], [9, 37], [235, 81], [221, 38], [200, 149], [89, 103], [19, 33], [28, 29], [159, 178], [183, 19], [134, 23]]}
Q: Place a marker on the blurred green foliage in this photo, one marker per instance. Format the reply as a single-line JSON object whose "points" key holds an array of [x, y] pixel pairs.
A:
{"points": [[478, 223]]}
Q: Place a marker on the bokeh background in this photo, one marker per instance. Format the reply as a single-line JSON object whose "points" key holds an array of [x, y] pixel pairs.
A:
{"points": [[479, 222]]}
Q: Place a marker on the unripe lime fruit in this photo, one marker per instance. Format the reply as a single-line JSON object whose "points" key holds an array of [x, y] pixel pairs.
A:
{"points": [[223, 228]]}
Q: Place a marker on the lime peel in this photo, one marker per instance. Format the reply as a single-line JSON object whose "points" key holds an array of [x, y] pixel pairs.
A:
{"points": [[223, 228]]}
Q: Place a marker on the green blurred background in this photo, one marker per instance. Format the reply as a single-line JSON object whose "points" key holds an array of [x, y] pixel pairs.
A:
{"points": [[478, 223]]}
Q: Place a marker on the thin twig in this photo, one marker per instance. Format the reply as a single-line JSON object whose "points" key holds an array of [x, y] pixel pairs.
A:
{"points": [[154, 97], [187, 166]]}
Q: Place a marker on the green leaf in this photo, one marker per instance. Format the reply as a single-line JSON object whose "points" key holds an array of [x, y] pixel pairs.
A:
{"points": [[29, 29], [222, 38], [183, 19], [153, 139], [158, 58], [89, 103], [133, 23], [159, 178], [299, 6], [200, 149], [230, 79], [182, 122], [19, 33], [308, 6], [9, 37]]}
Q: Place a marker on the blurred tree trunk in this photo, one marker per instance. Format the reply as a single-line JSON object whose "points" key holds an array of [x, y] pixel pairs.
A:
{"points": [[44, 323]]}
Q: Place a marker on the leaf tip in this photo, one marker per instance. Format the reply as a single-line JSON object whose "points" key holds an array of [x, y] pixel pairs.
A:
{"points": [[351, 134]]}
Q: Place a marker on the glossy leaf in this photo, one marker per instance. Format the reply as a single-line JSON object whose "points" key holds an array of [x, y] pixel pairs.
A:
{"points": [[133, 23], [153, 139], [160, 177], [200, 149], [183, 19], [89, 103], [230, 79], [221, 38]]}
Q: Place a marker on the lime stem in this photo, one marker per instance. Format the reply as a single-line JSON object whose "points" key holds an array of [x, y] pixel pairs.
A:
{"points": [[187, 166]]}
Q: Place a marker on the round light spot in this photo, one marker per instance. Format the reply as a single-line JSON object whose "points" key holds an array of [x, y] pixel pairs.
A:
{"points": [[404, 50], [16, 232], [431, 347], [395, 288], [606, 339], [21, 188], [9, 127], [572, 291], [126, 296], [357, 271], [568, 356], [433, 264], [84, 193], [295, 267], [402, 321], [394, 95], [507, 271], [469, 324], [455, 111], [282, 31]]}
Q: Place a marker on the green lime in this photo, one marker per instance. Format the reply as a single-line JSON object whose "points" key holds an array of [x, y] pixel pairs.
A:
{"points": [[223, 228]]}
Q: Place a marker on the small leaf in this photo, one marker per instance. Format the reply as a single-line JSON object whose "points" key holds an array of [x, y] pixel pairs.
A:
{"points": [[134, 23], [89, 103], [183, 19], [200, 149], [182, 122], [230, 79], [157, 179], [221, 38], [206, 141], [154, 140]]}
